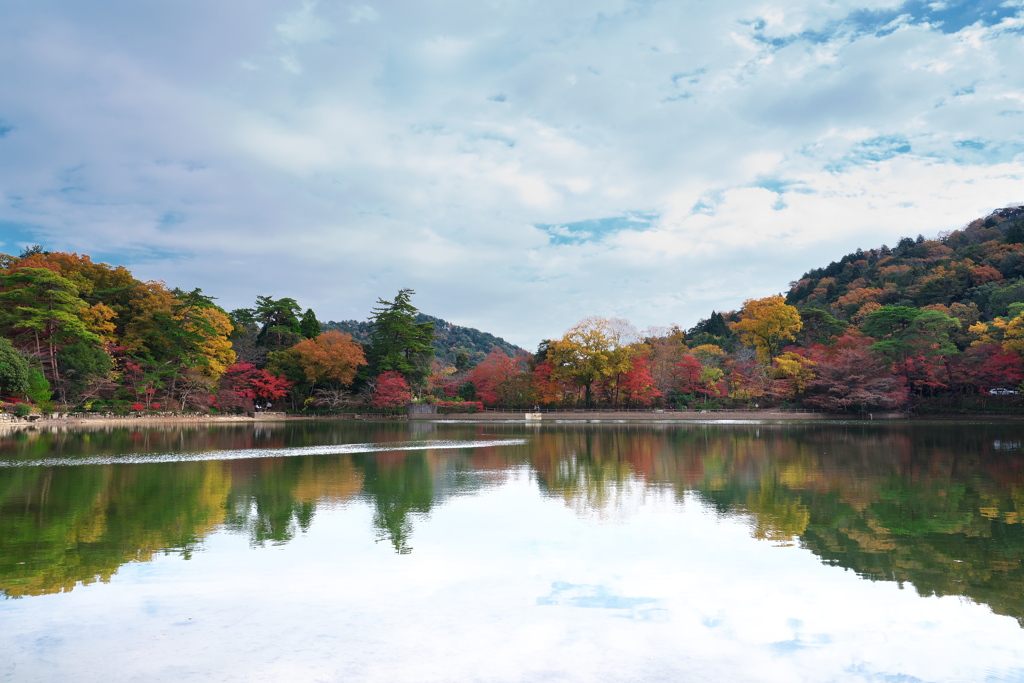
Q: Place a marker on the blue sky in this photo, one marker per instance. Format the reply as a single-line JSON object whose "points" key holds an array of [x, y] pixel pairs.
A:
{"points": [[521, 165]]}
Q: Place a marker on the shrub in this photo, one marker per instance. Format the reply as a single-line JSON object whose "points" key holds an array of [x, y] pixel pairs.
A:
{"points": [[468, 392], [23, 410], [459, 406]]}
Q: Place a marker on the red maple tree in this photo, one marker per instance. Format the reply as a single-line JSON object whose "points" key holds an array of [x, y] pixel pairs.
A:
{"points": [[496, 368], [637, 386], [245, 387], [391, 391]]}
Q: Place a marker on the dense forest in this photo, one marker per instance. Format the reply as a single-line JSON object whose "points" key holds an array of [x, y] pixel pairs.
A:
{"points": [[930, 325]]}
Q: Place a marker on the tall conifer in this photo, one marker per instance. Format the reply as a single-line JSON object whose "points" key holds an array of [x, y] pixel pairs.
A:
{"points": [[398, 342]]}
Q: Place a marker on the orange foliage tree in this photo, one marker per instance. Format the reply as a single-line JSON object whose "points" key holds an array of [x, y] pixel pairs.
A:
{"points": [[550, 388], [331, 357]]}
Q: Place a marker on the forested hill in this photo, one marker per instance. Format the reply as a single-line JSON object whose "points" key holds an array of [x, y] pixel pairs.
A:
{"points": [[450, 340], [975, 272]]}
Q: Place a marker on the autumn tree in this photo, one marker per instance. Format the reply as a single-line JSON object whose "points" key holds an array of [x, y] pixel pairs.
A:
{"points": [[994, 366], [664, 348], [852, 378], [390, 391], [709, 354], [686, 376], [711, 383], [494, 369], [792, 372], [746, 379], [181, 339], [245, 387], [593, 349], [517, 391], [211, 328], [1013, 333], [636, 386], [766, 324], [331, 357], [550, 387]]}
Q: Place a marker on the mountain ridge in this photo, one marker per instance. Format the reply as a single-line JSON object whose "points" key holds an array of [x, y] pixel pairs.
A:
{"points": [[978, 269], [450, 340]]}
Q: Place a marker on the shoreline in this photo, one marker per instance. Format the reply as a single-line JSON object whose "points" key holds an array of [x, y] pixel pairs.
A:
{"points": [[752, 416], [681, 417]]}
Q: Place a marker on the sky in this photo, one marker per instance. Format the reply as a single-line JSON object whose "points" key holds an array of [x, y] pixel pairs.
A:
{"points": [[519, 164]]}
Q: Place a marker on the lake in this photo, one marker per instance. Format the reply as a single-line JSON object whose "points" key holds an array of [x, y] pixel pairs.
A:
{"points": [[433, 551]]}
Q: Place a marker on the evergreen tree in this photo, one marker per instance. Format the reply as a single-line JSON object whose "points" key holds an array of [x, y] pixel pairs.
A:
{"points": [[81, 362], [398, 342], [41, 309], [819, 326], [279, 322], [714, 325], [467, 392], [310, 326], [14, 370], [1015, 233]]}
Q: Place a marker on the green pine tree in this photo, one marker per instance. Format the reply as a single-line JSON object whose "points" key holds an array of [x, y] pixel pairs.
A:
{"points": [[310, 326], [398, 342]]}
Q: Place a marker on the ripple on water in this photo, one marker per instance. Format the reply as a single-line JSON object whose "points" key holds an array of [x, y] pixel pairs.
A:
{"points": [[247, 453]]}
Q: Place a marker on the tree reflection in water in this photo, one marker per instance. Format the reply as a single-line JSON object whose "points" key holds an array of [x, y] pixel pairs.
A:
{"points": [[937, 507]]}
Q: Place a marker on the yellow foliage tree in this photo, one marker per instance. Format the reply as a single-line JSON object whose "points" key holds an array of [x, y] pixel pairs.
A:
{"points": [[214, 347], [708, 354], [99, 319], [594, 348], [766, 323], [1013, 335], [796, 370]]}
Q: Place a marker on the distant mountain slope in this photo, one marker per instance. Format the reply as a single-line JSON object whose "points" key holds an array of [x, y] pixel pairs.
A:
{"points": [[978, 267], [451, 340]]}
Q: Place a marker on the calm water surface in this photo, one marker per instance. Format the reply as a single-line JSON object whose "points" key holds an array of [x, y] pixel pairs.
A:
{"points": [[340, 551]]}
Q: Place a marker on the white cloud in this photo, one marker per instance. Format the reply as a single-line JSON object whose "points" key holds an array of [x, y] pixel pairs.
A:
{"points": [[359, 13], [303, 26], [351, 156]]}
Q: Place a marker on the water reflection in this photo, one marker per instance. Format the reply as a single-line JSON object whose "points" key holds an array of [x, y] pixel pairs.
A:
{"points": [[937, 507]]}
